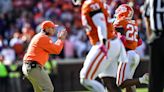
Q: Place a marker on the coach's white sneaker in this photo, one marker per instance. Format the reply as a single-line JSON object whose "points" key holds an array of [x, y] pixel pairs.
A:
{"points": [[144, 79]]}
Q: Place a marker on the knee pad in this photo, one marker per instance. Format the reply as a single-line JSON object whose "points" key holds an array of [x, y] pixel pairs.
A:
{"points": [[85, 83], [92, 85], [136, 59], [82, 81]]}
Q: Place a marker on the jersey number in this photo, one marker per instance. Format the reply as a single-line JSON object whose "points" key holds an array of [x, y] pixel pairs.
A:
{"points": [[95, 6], [84, 20], [132, 33]]}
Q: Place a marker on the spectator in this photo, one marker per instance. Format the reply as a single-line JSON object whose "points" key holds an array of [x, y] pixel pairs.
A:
{"points": [[9, 55], [2, 42], [15, 77], [69, 51], [32, 13], [6, 6], [28, 32], [18, 45], [3, 76]]}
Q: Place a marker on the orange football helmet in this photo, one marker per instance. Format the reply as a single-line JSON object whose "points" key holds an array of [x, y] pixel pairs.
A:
{"points": [[124, 11]]}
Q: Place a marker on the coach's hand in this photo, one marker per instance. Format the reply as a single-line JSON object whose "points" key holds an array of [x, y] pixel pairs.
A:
{"points": [[62, 33]]}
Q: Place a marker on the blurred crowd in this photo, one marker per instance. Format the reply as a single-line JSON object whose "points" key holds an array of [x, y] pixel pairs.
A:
{"points": [[20, 19], [19, 22]]}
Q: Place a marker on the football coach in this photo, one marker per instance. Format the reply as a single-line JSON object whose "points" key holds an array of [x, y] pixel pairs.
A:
{"points": [[38, 53]]}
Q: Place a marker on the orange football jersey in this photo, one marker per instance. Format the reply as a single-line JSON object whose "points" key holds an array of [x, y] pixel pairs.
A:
{"points": [[130, 31], [40, 47], [89, 8]]}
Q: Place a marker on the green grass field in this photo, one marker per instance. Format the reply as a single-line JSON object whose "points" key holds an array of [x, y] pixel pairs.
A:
{"points": [[141, 90], [138, 90]]}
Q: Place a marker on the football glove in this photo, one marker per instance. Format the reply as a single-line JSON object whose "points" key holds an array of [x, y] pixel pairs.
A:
{"points": [[104, 49]]}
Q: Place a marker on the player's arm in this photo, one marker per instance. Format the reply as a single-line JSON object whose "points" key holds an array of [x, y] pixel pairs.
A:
{"points": [[139, 40], [99, 20], [147, 23], [147, 19], [120, 30], [118, 27]]}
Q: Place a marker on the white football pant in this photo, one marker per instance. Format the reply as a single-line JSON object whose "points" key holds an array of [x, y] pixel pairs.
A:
{"points": [[96, 62]]}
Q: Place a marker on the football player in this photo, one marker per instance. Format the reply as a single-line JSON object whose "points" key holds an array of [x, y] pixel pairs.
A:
{"points": [[130, 38], [105, 44]]}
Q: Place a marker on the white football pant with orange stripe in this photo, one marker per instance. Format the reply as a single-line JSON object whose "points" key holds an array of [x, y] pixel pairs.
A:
{"points": [[96, 63], [127, 70]]}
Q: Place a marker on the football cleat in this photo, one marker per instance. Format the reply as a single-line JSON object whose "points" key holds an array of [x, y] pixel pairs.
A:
{"points": [[144, 79]]}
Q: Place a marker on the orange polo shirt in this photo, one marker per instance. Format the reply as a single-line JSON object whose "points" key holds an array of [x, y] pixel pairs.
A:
{"points": [[40, 47]]}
